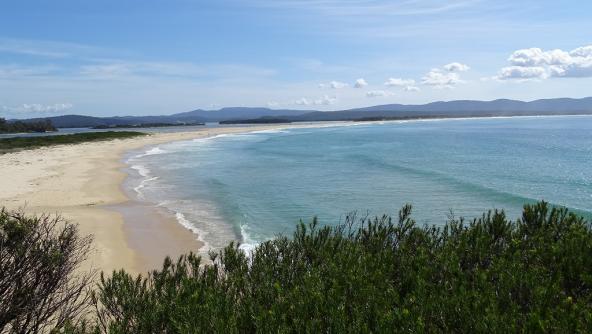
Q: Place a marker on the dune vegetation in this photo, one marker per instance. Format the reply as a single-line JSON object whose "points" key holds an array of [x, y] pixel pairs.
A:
{"points": [[24, 143], [379, 275]]}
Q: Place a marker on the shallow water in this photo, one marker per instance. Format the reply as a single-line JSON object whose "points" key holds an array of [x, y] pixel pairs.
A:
{"points": [[250, 187]]}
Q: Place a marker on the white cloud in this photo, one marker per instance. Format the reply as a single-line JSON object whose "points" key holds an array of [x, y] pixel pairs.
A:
{"points": [[538, 63], [398, 82], [439, 79], [412, 89], [272, 104], [579, 70], [582, 51], [536, 57], [325, 100], [445, 77], [338, 85], [520, 72], [360, 83], [378, 93], [333, 85], [303, 102], [38, 108], [456, 67]]}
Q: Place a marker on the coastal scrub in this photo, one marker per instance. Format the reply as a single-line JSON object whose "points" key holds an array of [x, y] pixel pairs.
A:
{"points": [[373, 275], [379, 275], [26, 143]]}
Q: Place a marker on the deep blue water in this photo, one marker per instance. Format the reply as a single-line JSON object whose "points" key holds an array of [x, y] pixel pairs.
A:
{"points": [[251, 187]]}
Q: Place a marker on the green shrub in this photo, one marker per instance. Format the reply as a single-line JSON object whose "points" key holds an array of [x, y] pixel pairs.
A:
{"points": [[26, 143], [41, 285], [373, 275]]}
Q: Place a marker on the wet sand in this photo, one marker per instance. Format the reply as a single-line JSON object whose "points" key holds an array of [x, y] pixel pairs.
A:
{"points": [[149, 230]]}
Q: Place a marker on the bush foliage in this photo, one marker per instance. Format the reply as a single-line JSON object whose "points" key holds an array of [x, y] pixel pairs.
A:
{"points": [[25, 143], [373, 275], [40, 289], [365, 276]]}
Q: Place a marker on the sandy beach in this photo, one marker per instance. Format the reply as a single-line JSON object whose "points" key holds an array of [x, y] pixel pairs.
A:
{"points": [[82, 183]]}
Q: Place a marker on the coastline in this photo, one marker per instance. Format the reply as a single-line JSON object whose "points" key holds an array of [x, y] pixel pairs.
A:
{"points": [[83, 184]]}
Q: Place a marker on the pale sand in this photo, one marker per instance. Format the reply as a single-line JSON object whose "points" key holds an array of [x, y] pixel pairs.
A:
{"points": [[82, 183]]}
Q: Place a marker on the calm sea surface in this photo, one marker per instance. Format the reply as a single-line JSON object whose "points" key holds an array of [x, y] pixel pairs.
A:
{"points": [[251, 187]]}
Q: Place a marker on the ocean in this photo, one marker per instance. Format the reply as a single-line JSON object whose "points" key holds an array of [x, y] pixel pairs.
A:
{"points": [[252, 187]]}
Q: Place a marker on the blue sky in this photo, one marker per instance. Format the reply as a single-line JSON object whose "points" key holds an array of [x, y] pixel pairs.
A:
{"points": [[131, 57]]}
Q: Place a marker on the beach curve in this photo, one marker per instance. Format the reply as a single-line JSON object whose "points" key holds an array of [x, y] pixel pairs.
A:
{"points": [[83, 184]]}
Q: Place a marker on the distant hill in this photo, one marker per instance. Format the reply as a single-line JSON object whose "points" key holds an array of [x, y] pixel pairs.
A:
{"points": [[239, 112], [458, 108], [195, 116]]}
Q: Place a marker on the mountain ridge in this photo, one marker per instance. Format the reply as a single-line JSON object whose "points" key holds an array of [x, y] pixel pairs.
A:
{"points": [[454, 108]]}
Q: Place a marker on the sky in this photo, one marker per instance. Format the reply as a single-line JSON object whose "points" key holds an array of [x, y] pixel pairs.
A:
{"points": [[154, 57]]}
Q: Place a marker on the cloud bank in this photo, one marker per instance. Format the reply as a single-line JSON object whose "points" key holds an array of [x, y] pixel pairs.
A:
{"points": [[536, 63]]}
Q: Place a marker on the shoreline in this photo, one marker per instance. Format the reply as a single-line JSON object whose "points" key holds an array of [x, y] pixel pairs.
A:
{"points": [[83, 184], [79, 182]]}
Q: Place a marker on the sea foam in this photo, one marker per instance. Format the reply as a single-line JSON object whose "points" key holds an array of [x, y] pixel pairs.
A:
{"points": [[181, 219], [247, 245]]}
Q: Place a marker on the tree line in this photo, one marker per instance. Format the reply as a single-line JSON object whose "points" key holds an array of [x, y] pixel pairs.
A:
{"points": [[14, 144], [20, 126]]}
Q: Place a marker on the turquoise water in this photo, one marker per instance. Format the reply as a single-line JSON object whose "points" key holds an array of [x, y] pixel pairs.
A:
{"points": [[251, 187]]}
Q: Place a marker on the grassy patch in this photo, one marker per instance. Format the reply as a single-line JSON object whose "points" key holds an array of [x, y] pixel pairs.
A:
{"points": [[25, 143]]}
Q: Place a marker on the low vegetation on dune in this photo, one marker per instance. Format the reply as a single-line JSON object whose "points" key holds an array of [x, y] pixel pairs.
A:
{"points": [[367, 275], [24, 143]]}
